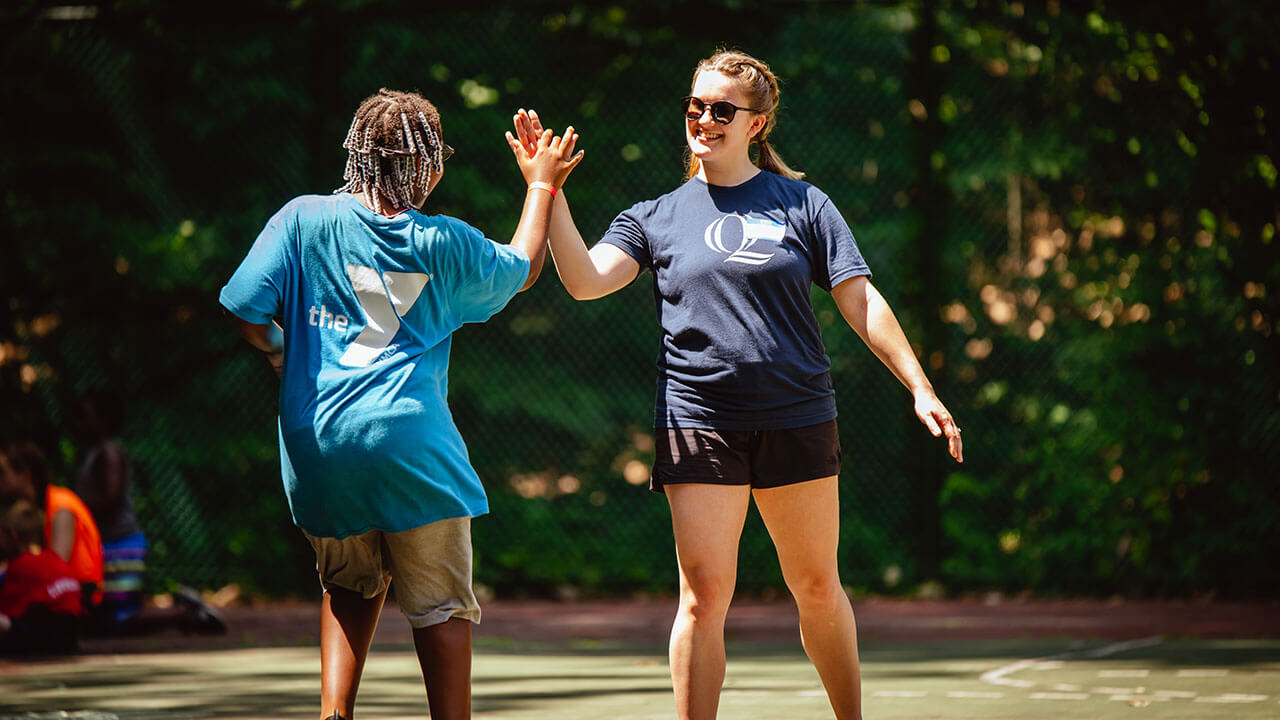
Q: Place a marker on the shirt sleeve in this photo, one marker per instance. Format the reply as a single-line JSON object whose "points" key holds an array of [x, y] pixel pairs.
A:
{"points": [[255, 293], [837, 248], [626, 232], [483, 275]]}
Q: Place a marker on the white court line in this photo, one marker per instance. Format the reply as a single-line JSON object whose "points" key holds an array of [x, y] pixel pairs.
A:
{"points": [[999, 675], [1148, 698], [1202, 672], [1123, 673], [1115, 690], [1066, 687], [974, 695], [1176, 693], [1119, 647], [1059, 696], [1231, 698]]}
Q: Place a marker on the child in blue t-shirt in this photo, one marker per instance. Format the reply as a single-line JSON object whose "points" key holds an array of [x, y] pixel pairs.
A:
{"points": [[354, 297]]}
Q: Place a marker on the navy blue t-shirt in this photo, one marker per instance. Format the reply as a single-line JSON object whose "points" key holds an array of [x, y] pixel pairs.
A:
{"points": [[741, 348]]}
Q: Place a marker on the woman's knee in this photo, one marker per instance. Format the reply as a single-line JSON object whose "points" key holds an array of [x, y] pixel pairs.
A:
{"points": [[817, 588], [706, 594]]}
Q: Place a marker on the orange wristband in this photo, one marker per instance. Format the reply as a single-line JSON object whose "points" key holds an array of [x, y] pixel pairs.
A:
{"points": [[543, 186]]}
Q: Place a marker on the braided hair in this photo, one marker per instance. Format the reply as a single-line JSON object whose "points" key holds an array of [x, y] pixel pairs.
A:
{"points": [[395, 144], [760, 86]]}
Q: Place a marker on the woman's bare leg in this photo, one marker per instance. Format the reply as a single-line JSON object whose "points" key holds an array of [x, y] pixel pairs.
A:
{"points": [[707, 522], [804, 522]]}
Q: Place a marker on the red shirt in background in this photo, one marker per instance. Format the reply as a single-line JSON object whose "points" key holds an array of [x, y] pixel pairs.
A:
{"points": [[36, 579]]}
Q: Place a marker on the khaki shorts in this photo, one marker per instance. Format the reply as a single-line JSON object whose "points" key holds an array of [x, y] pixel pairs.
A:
{"points": [[431, 566]]}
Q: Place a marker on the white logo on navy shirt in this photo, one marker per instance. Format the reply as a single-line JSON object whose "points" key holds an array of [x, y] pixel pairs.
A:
{"points": [[753, 230]]}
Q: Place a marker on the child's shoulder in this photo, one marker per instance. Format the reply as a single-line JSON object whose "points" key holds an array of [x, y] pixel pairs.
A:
{"points": [[444, 223], [38, 570], [444, 228], [305, 209], [40, 561], [311, 205]]}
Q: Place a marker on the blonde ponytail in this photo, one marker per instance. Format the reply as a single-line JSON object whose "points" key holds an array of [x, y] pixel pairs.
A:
{"points": [[768, 159]]}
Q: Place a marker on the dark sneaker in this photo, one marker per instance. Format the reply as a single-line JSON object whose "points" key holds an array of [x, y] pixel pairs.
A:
{"points": [[205, 621], [198, 618]]}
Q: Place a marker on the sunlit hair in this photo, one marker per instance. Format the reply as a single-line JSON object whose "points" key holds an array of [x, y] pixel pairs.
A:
{"points": [[21, 525], [396, 143], [760, 86]]}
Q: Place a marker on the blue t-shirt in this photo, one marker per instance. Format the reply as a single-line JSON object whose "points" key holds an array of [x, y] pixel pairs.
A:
{"points": [[741, 348], [368, 305]]}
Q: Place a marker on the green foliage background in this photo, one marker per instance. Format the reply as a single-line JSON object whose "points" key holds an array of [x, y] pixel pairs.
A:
{"points": [[1071, 207]]}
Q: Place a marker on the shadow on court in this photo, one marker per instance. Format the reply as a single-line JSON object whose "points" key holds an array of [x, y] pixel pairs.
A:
{"points": [[537, 661]]}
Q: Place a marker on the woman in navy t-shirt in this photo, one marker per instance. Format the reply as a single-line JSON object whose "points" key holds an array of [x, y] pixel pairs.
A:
{"points": [[745, 406]]}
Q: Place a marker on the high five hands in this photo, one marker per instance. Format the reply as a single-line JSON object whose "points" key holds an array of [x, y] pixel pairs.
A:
{"points": [[529, 128], [544, 157]]}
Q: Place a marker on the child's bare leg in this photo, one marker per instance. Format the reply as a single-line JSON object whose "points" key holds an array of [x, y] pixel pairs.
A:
{"points": [[347, 622], [444, 651]]}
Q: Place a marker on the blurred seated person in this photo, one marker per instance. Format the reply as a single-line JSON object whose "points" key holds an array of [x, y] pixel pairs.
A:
{"points": [[40, 597], [69, 524], [69, 528], [105, 483]]}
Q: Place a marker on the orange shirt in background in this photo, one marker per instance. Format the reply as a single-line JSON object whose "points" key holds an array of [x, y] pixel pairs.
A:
{"points": [[86, 551]]}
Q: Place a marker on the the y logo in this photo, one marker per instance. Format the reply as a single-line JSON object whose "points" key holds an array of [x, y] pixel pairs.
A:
{"points": [[384, 297], [753, 229]]}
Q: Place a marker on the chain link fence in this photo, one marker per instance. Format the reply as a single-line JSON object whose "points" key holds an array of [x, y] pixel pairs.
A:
{"points": [[190, 132]]}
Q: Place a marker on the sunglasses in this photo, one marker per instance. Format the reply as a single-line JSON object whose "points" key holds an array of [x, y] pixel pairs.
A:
{"points": [[445, 153], [722, 111]]}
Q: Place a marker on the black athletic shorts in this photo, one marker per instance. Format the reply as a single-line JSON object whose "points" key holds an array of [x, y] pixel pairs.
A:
{"points": [[759, 458]]}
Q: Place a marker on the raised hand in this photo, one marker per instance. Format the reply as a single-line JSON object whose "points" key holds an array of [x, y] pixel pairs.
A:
{"points": [[528, 128], [544, 157]]}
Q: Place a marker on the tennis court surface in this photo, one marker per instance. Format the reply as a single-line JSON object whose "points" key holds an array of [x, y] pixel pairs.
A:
{"points": [[536, 661]]}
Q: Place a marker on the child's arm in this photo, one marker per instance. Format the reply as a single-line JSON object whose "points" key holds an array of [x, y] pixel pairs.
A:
{"points": [[266, 338], [62, 534], [545, 167]]}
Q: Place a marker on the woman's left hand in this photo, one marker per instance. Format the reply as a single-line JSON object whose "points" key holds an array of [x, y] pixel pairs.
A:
{"points": [[528, 129], [934, 415]]}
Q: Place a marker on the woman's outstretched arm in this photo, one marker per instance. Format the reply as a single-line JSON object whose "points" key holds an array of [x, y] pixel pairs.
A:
{"points": [[586, 274], [867, 312]]}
